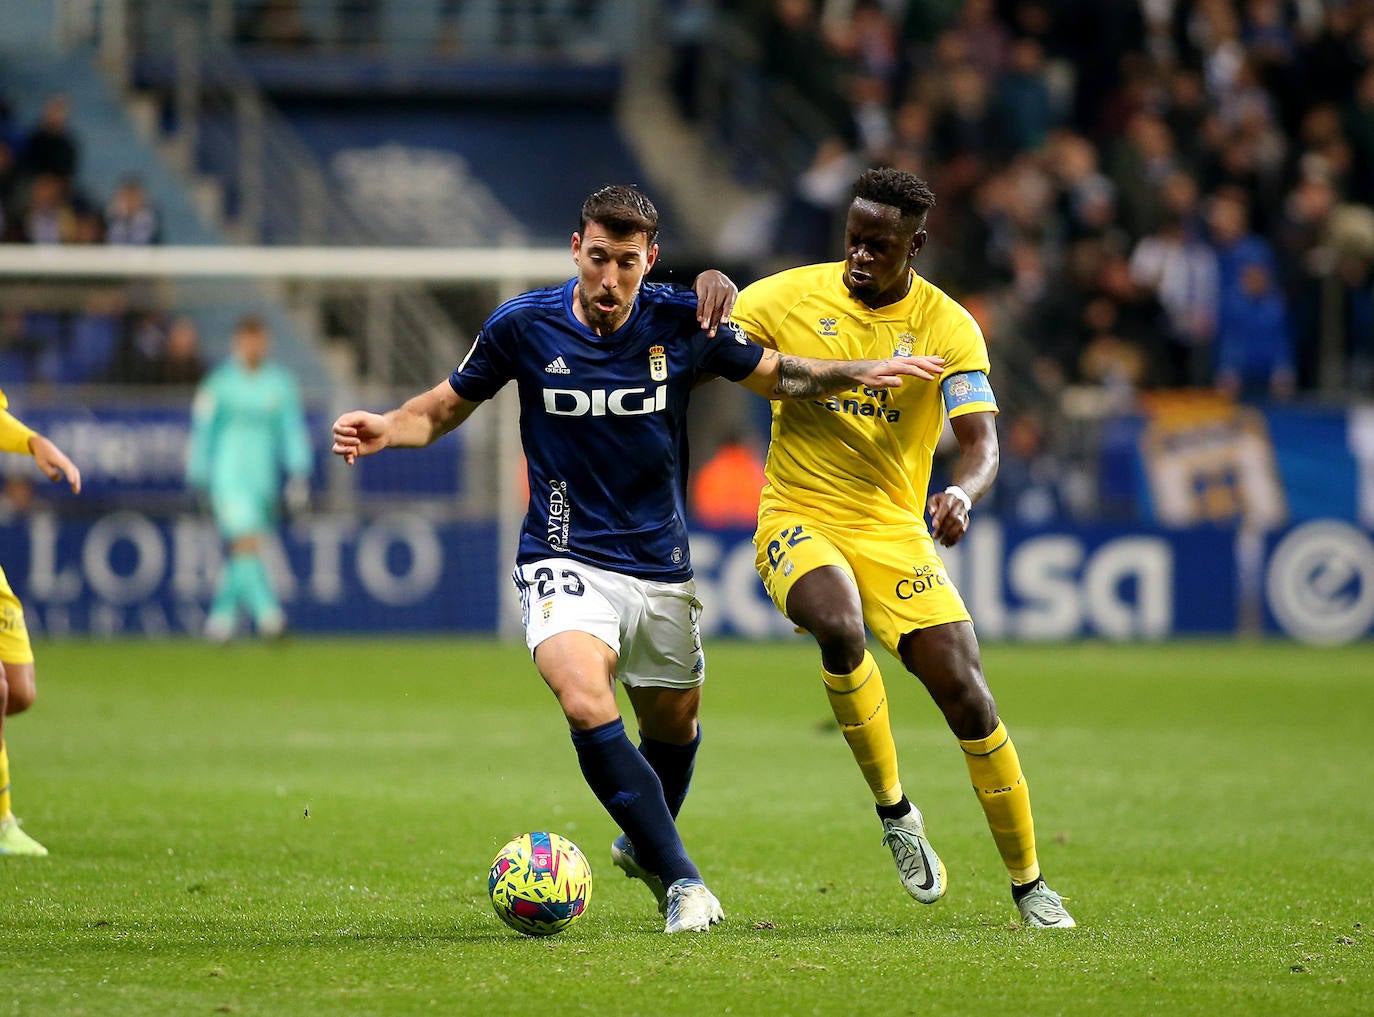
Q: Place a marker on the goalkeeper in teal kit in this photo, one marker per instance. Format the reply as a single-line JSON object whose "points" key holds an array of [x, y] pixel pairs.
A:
{"points": [[249, 447]]}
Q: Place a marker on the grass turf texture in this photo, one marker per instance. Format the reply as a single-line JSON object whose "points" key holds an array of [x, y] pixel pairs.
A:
{"points": [[306, 829]]}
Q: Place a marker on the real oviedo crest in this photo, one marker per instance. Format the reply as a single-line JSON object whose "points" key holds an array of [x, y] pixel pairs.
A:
{"points": [[658, 363]]}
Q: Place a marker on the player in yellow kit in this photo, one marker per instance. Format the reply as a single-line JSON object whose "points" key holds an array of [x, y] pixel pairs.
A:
{"points": [[17, 684], [842, 538]]}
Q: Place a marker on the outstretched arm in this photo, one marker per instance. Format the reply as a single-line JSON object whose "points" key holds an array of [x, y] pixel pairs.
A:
{"points": [[16, 436], [423, 419], [783, 376], [54, 462], [979, 457]]}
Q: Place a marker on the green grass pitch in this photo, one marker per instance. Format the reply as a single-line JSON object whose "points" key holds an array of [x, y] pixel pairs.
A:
{"points": [[306, 829]]}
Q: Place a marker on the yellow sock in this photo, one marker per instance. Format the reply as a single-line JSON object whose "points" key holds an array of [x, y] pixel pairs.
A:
{"points": [[1002, 791], [4, 782], [859, 702]]}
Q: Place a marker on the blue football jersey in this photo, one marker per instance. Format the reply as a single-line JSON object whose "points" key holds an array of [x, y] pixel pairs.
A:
{"points": [[603, 420]]}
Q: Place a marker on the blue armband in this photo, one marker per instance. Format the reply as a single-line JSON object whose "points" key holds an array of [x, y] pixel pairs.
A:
{"points": [[968, 388]]}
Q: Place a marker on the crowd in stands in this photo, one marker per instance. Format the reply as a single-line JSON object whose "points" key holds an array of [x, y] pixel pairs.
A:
{"points": [[1130, 193], [105, 339]]}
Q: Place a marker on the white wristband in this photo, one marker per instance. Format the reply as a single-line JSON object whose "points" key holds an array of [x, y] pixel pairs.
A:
{"points": [[962, 495]]}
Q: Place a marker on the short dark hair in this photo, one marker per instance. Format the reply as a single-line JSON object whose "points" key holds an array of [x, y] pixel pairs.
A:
{"points": [[622, 211], [904, 191], [253, 323]]}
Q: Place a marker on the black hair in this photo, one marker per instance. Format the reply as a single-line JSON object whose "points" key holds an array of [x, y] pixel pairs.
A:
{"points": [[904, 191], [250, 323], [622, 211]]}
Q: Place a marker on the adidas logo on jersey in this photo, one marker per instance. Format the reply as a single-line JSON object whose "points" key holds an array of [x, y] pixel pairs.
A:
{"points": [[557, 366]]}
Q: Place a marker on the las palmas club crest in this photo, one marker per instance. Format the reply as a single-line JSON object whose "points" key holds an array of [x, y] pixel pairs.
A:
{"points": [[906, 342], [959, 387], [658, 363]]}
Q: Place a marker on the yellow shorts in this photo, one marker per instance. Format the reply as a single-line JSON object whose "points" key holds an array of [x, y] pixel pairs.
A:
{"points": [[14, 634], [902, 583]]}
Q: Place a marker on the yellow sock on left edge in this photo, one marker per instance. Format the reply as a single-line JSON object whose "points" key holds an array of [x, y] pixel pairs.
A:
{"points": [[5, 807], [1005, 797]]}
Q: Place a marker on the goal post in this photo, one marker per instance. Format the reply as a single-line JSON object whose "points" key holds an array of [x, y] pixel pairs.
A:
{"points": [[359, 326]]}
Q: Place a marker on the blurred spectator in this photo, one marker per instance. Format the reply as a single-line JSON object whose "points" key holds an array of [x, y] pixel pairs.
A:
{"points": [[871, 118], [129, 218], [1111, 362], [9, 179], [181, 362], [539, 25], [18, 349], [1331, 62], [911, 138], [1358, 124], [1023, 97], [93, 344], [1178, 266], [806, 230], [1087, 197], [987, 39], [88, 227], [966, 128], [1143, 161], [142, 345], [725, 489], [1349, 254], [869, 41], [1235, 244], [50, 147], [49, 218], [926, 21], [1254, 341], [359, 23], [274, 24], [1186, 115], [797, 56], [9, 132], [1030, 479], [1305, 261], [689, 24]]}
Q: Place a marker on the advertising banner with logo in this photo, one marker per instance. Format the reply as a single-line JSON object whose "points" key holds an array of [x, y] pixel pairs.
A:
{"points": [[133, 574], [136, 455], [1319, 582], [1102, 582]]}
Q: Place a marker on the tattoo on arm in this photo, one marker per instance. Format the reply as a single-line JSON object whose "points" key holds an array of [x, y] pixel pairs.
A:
{"points": [[803, 378]]}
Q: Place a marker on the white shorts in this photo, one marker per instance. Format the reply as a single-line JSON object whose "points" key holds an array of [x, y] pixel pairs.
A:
{"points": [[652, 626]]}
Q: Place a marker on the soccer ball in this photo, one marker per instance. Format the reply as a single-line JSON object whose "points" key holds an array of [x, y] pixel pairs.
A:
{"points": [[540, 883]]}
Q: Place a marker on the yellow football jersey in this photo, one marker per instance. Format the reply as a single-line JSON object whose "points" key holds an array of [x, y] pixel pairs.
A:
{"points": [[861, 458]]}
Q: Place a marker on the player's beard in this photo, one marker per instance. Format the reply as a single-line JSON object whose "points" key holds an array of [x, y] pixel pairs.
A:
{"points": [[601, 321]]}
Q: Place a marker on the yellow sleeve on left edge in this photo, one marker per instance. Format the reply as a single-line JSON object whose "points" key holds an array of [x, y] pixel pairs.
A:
{"points": [[14, 435]]}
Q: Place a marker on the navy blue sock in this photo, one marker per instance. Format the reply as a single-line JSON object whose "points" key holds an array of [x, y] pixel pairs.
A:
{"points": [[625, 783], [674, 765]]}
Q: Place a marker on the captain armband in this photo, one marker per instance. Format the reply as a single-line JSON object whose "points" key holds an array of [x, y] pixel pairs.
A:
{"points": [[967, 388]]}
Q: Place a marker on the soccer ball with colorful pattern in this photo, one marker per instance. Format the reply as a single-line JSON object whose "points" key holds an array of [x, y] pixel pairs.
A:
{"points": [[540, 883]]}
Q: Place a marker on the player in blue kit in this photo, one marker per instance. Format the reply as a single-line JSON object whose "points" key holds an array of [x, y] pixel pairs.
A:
{"points": [[604, 365]]}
